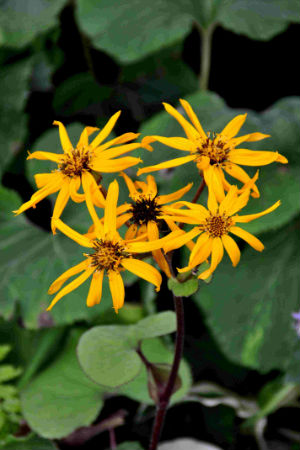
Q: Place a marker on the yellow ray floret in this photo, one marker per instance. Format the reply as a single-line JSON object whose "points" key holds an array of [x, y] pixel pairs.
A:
{"points": [[213, 227], [76, 165], [109, 254], [213, 153]]}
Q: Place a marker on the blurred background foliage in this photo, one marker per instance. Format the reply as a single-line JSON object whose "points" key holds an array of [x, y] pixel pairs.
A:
{"points": [[79, 62]]}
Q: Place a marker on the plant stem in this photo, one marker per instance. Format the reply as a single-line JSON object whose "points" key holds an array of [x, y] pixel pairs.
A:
{"points": [[112, 439], [166, 395], [206, 39], [199, 191]]}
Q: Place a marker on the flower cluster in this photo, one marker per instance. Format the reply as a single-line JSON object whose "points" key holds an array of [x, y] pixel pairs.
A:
{"points": [[153, 222]]}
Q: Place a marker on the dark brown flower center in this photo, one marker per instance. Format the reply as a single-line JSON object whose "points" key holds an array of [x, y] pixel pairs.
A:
{"points": [[217, 226], [215, 149], [76, 162], [144, 210], [108, 255]]}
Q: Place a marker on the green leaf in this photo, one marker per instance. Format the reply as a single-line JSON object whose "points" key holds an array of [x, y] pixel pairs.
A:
{"points": [[249, 308], [108, 354], [61, 398], [183, 289], [130, 32], [129, 446], [258, 19], [79, 93], [8, 372], [156, 352], [31, 441], [155, 325], [14, 81], [21, 21], [4, 350], [281, 121]]}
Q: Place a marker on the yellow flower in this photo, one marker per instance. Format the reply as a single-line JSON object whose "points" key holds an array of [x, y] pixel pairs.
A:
{"points": [[75, 167], [214, 225], [108, 253], [145, 212], [213, 153]]}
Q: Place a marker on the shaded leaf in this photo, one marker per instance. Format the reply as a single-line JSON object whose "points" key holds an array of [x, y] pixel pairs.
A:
{"points": [[249, 308], [21, 21], [187, 444], [61, 398], [29, 442], [14, 81], [185, 288]]}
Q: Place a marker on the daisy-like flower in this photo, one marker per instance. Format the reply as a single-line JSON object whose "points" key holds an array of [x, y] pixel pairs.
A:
{"points": [[144, 213], [213, 153], [76, 165], [214, 225], [109, 254]]}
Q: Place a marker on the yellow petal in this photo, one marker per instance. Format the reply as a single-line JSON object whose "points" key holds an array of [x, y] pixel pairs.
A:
{"points": [[117, 290], [57, 284], [151, 186], [193, 118], [110, 213], [55, 157], [71, 286], [72, 234], [202, 239], [64, 137], [105, 131], [39, 195], [179, 241], [61, 201], [162, 262], [203, 162], [229, 200], [145, 247], [131, 232], [239, 203], [239, 173], [143, 270], [126, 137], [216, 257], [251, 157], [234, 126], [95, 291], [190, 131], [252, 137], [282, 159], [214, 182], [130, 184], [146, 141], [248, 237], [41, 179], [250, 217], [167, 164], [114, 152], [114, 165], [84, 137], [202, 254], [74, 186], [87, 185], [162, 199], [232, 249], [175, 142], [171, 224]]}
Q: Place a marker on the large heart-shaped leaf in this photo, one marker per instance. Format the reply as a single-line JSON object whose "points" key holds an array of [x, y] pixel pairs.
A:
{"points": [[61, 398], [108, 354], [249, 308]]}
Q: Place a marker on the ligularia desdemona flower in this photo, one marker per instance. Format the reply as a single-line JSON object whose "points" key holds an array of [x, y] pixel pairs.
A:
{"points": [[75, 167], [214, 225], [145, 211], [108, 254], [213, 153]]}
